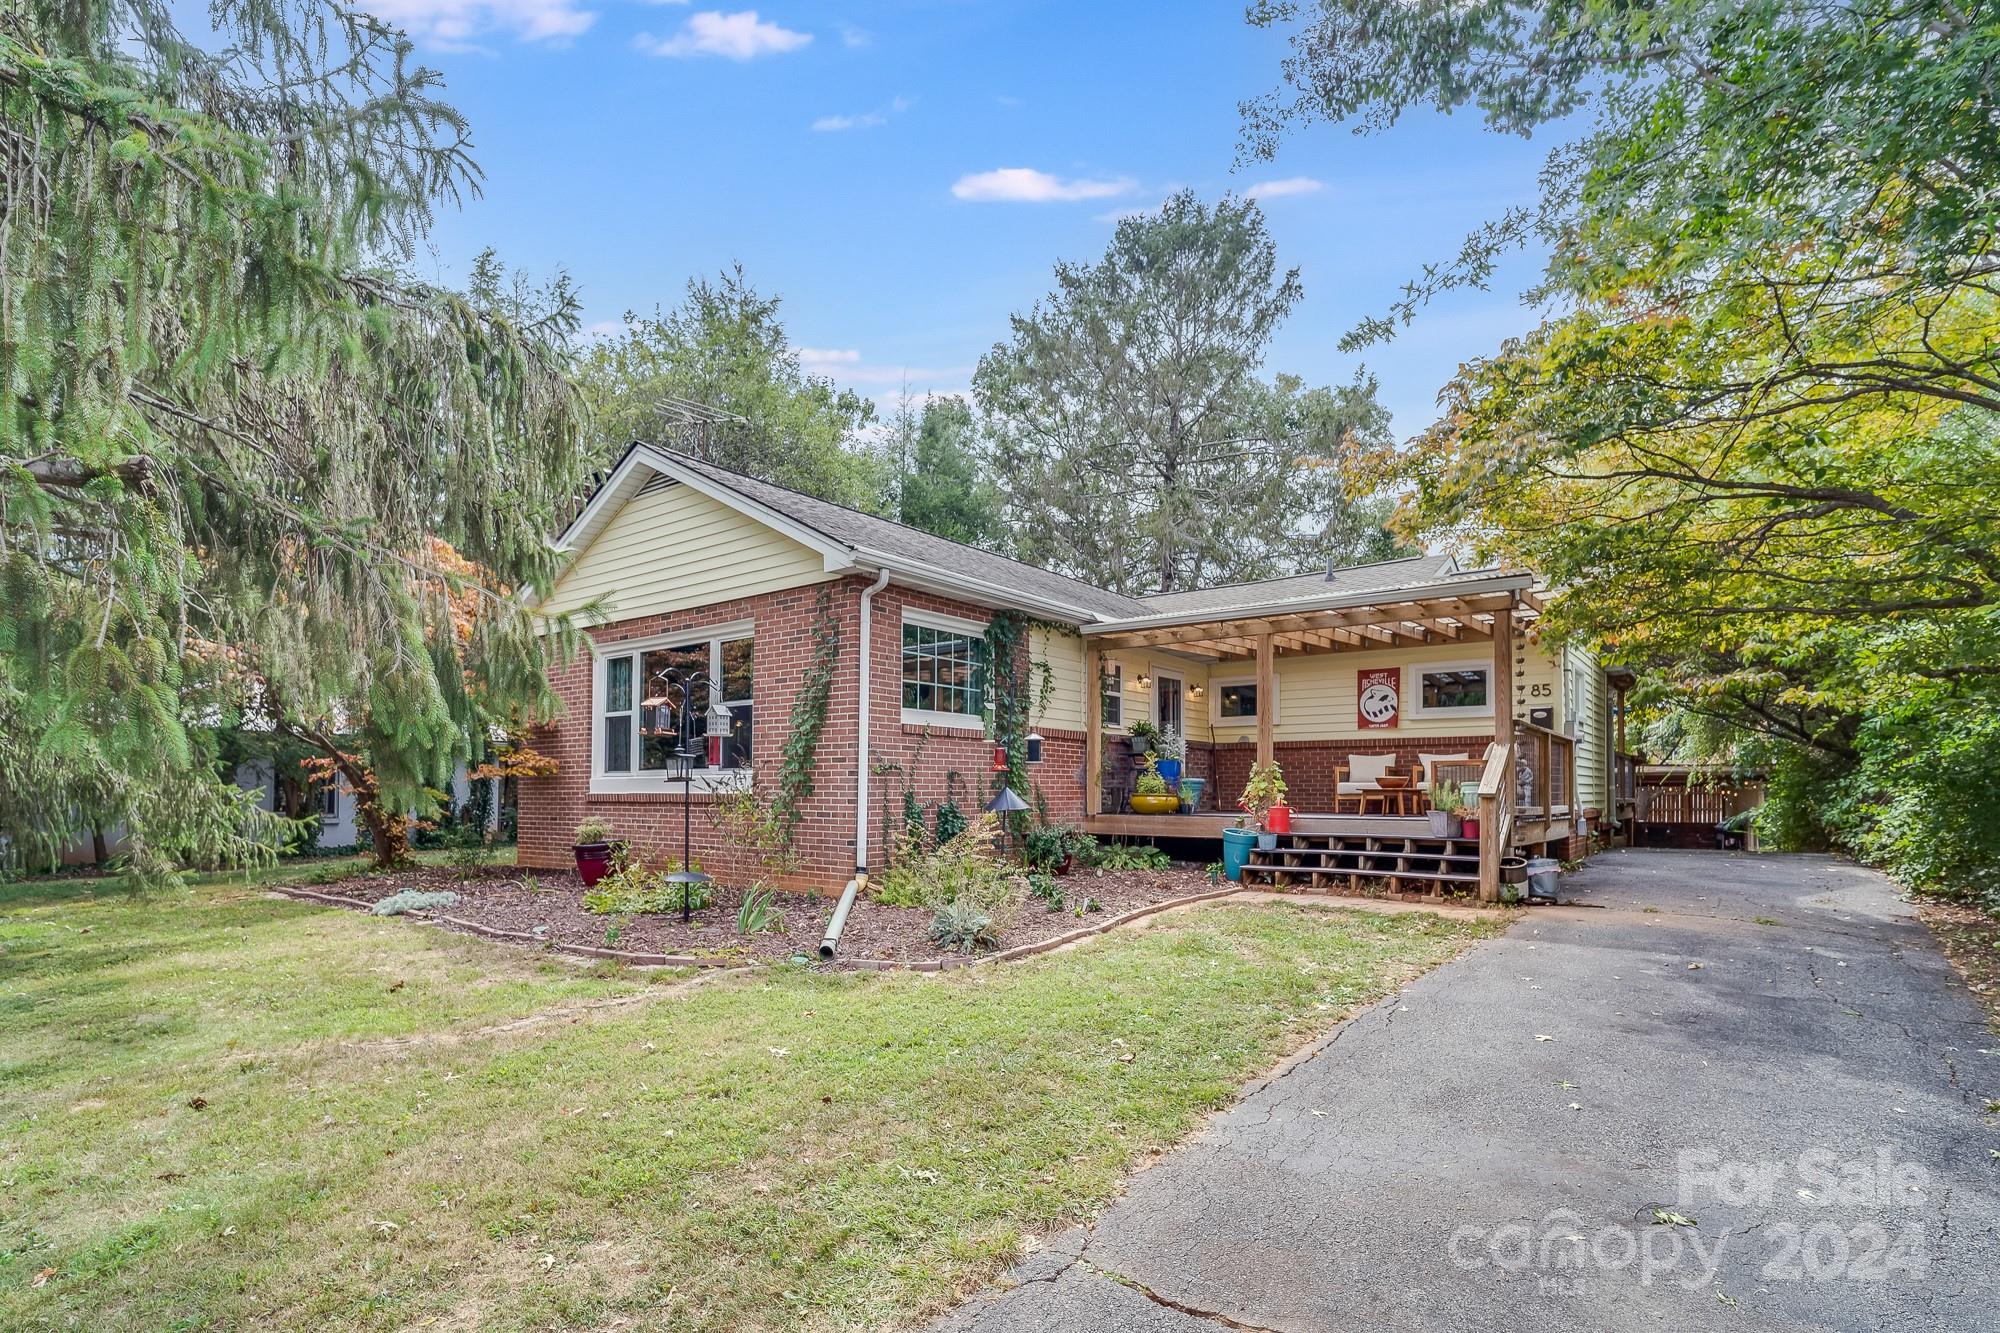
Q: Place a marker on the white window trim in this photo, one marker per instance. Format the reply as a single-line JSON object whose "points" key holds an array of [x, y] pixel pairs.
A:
{"points": [[925, 717], [1416, 700], [1110, 667], [662, 782], [1217, 684]]}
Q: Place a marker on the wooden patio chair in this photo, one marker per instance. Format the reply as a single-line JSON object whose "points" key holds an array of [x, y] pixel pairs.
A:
{"points": [[1356, 781]]}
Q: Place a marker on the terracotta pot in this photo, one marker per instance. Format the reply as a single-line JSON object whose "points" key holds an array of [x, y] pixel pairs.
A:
{"points": [[593, 861]]}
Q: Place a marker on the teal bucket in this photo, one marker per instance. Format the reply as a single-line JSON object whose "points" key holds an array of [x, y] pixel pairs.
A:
{"points": [[1236, 845]]}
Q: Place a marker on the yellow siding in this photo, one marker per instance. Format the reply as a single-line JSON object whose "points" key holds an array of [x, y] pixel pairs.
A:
{"points": [[1316, 692], [1064, 655], [671, 548], [1139, 701]]}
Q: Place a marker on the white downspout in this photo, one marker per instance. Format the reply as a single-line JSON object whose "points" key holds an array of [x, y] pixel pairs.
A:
{"points": [[861, 731]]}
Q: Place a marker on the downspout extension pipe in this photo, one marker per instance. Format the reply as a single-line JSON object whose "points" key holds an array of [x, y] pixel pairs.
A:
{"points": [[838, 921]]}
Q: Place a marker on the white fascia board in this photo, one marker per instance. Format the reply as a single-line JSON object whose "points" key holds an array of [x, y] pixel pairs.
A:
{"points": [[1306, 605]]}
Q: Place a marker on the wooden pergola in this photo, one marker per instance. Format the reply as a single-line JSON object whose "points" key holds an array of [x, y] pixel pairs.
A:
{"points": [[1394, 619]]}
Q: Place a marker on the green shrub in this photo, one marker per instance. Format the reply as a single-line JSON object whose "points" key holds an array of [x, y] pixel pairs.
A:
{"points": [[413, 900], [634, 889], [1125, 856], [593, 830], [466, 849], [964, 927], [1049, 889], [1047, 845], [965, 869]]}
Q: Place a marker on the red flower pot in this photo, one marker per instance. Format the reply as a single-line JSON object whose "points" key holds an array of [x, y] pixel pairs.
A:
{"points": [[593, 861], [1468, 828], [1278, 819]]}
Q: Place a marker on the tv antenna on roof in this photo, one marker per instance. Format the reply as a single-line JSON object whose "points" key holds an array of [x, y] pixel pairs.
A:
{"points": [[695, 418]]}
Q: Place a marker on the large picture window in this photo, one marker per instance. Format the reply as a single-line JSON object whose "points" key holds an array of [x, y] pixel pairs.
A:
{"points": [[649, 696], [1454, 689], [944, 672]]}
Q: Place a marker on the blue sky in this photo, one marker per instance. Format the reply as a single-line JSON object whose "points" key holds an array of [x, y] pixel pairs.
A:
{"points": [[905, 173]]}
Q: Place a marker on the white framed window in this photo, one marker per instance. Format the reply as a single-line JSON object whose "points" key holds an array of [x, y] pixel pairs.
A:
{"points": [[1453, 689], [329, 800], [1233, 701], [944, 671], [647, 705], [1113, 688]]}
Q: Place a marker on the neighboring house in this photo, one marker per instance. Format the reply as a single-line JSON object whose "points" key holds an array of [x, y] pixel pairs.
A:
{"points": [[340, 825], [698, 566]]}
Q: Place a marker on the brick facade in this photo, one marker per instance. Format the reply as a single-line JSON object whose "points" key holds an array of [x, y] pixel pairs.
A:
{"points": [[948, 760]]}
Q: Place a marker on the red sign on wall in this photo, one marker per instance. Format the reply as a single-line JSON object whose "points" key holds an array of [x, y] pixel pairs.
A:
{"points": [[1378, 697]]}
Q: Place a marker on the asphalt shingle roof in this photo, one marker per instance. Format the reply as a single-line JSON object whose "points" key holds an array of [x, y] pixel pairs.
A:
{"points": [[851, 527]]}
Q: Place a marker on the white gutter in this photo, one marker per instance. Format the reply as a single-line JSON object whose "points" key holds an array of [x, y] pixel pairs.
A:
{"points": [[861, 731], [1298, 605]]}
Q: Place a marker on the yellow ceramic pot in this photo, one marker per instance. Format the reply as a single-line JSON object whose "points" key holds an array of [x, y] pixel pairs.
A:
{"points": [[1155, 805]]}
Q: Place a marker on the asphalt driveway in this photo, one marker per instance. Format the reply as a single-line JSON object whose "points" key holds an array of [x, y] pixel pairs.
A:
{"points": [[1730, 1092]]}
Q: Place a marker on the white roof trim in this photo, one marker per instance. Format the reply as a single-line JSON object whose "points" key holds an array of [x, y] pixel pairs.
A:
{"points": [[1453, 587]]}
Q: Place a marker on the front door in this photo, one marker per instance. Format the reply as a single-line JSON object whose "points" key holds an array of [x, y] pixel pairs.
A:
{"points": [[1167, 705]]}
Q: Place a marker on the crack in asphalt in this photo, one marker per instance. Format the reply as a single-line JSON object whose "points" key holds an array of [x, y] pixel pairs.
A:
{"points": [[1179, 1307]]}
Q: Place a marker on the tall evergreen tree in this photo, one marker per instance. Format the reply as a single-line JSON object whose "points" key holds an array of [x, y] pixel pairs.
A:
{"points": [[1138, 443], [724, 348], [235, 437], [945, 487]]}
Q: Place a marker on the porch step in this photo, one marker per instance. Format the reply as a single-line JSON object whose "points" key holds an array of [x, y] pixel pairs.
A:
{"points": [[1432, 865]]}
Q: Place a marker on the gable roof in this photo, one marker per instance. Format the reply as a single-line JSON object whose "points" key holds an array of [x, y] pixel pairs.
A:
{"points": [[850, 539]]}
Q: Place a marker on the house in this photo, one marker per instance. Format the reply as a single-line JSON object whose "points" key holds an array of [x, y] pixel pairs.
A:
{"points": [[340, 823], [696, 568]]}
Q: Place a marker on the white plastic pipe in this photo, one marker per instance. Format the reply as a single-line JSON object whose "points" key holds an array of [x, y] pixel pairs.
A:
{"points": [[838, 921]]}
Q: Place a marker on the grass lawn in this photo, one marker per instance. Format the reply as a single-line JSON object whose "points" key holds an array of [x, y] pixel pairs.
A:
{"points": [[218, 1110]]}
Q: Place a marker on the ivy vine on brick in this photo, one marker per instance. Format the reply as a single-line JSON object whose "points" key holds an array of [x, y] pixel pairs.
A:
{"points": [[809, 706]]}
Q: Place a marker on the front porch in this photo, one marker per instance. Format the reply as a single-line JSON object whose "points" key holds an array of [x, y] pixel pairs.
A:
{"points": [[1525, 774]]}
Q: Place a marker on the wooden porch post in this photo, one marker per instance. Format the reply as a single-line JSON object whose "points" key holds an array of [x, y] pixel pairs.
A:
{"points": [[1267, 700], [1503, 676], [1093, 730]]}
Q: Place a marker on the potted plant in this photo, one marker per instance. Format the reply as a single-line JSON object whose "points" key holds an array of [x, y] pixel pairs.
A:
{"points": [[1150, 793], [1446, 806], [1140, 737], [1054, 847], [1171, 750], [1191, 790], [1261, 794], [593, 849]]}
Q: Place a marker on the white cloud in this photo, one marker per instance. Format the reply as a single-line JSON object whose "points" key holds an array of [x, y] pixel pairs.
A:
{"points": [[864, 120], [1025, 185], [455, 23], [741, 36], [824, 360], [854, 37], [1278, 189]]}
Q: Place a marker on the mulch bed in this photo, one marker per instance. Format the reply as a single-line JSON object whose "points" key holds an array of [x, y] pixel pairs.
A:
{"points": [[552, 911]]}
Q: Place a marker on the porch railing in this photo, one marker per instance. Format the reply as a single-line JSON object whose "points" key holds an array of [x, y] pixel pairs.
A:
{"points": [[1496, 815], [1546, 779]]}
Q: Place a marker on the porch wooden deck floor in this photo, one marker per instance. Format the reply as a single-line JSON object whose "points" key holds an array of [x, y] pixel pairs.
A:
{"points": [[1211, 826]]}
